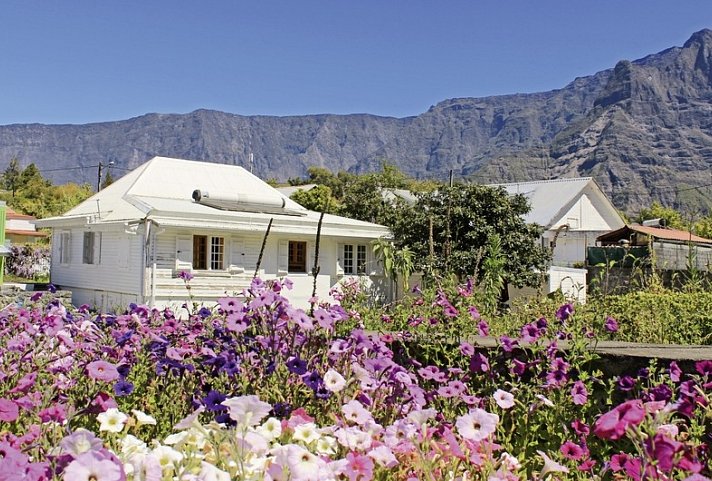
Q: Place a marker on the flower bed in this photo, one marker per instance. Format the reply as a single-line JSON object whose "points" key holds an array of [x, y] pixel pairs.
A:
{"points": [[258, 389]]}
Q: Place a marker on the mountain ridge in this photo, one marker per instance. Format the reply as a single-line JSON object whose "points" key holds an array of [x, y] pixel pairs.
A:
{"points": [[642, 129]]}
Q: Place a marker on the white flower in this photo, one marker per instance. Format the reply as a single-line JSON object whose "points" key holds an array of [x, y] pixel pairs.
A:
{"points": [[306, 433], [303, 465], [131, 446], [142, 418], [383, 456], [175, 438], [355, 412], [333, 381], [167, 457], [247, 410], [420, 417], [90, 467], [510, 461], [326, 445], [550, 466], [477, 425], [504, 399], [270, 429], [545, 400], [112, 420], [208, 472]]}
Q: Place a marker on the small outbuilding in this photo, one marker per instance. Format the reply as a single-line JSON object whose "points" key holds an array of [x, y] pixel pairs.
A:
{"points": [[132, 241]]}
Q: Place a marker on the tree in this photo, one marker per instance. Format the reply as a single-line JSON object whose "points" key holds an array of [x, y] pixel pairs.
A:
{"points": [[11, 176], [464, 219], [673, 218], [108, 180], [318, 199]]}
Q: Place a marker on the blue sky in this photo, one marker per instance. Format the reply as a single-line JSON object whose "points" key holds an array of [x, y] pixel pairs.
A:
{"points": [[80, 61]]}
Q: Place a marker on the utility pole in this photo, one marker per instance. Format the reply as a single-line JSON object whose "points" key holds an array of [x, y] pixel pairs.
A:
{"points": [[98, 180]]}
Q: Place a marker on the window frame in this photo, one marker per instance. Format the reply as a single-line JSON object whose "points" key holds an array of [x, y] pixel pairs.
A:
{"points": [[297, 257], [354, 259], [208, 252]]}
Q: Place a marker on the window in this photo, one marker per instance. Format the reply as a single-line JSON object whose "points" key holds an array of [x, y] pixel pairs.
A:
{"points": [[64, 247], [297, 256], [88, 248], [355, 265], [208, 252]]}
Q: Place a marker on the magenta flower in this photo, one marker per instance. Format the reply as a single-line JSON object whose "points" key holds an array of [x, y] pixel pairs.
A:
{"points": [[663, 450], [613, 424], [571, 450], [54, 413], [102, 371], [8, 410]]}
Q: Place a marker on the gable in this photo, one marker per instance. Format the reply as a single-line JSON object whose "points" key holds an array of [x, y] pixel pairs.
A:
{"points": [[584, 215]]}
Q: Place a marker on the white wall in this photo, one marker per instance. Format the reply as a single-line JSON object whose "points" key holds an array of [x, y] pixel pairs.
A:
{"points": [[112, 279], [241, 255]]}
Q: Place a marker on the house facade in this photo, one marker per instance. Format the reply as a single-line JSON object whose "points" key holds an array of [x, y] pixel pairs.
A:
{"points": [[20, 228], [131, 241], [573, 213]]}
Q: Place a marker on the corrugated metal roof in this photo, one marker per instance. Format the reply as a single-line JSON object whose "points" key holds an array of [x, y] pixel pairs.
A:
{"points": [[162, 187], [655, 232], [547, 197]]}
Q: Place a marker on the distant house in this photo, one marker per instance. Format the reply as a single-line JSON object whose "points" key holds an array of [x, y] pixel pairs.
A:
{"points": [[573, 213], [21, 229], [131, 241], [672, 249]]}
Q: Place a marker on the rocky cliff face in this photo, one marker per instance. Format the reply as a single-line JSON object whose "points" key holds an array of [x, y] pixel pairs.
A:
{"points": [[643, 129]]}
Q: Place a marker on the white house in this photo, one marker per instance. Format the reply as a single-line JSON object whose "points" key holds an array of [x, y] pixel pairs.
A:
{"points": [[130, 241], [573, 212]]}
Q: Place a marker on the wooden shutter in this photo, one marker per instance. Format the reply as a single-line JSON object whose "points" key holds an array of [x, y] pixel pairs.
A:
{"points": [[184, 253], [339, 259]]}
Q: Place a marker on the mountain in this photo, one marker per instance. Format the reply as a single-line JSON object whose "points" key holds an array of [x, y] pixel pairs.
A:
{"points": [[642, 129]]}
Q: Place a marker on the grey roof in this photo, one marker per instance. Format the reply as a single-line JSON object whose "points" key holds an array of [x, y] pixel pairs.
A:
{"points": [[548, 197]]}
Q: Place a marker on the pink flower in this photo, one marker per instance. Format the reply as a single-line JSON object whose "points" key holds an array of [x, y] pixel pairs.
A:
{"points": [[359, 467], [102, 371], [93, 466], [504, 399], [8, 410], [54, 413]]}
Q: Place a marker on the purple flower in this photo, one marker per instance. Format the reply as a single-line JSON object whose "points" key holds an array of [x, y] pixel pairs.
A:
{"points": [[530, 333], [564, 312], [313, 380], [8, 410], [213, 399], [185, 275], [611, 325], [675, 372], [626, 383], [296, 366], [479, 363], [483, 328], [704, 368], [123, 388], [466, 349], [579, 393], [507, 343]]}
